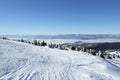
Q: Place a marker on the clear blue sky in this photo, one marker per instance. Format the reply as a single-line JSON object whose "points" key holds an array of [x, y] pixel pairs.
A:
{"points": [[59, 17]]}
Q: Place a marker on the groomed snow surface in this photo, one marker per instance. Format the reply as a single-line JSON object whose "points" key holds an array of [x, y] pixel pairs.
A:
{"points": [[20, 61]]}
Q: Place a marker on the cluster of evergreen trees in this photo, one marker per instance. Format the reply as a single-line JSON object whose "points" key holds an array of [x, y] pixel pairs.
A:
{"points": [[94, 51], [34, 42], [38, 43], [101, 53], [5, 38], [51, 45]]}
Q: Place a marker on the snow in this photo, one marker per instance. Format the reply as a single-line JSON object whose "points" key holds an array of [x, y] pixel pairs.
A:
{"points": [[101, 40], [62, 41], [57, 41], [21, 61]]}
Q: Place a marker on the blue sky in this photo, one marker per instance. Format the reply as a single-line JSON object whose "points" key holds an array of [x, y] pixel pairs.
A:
{"points": [[31, 17]]}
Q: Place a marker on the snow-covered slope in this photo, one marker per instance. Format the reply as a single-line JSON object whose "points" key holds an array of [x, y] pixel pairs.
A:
{"points": [[20, 61]]}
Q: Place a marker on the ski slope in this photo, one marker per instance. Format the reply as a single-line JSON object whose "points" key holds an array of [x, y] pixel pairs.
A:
{"points": [[20, 61]]}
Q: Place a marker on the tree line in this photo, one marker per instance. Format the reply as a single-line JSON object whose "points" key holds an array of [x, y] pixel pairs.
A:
{"points": [[96, 51]]}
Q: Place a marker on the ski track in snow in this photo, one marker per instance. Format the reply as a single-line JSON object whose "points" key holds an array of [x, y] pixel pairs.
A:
{"points": [[20, 61]]}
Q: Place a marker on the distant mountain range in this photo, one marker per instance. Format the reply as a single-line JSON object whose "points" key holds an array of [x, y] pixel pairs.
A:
{"points": [[68, 36]]}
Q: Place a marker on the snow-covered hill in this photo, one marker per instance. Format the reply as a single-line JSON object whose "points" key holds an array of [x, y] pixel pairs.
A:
{"points": [[20, 61]]}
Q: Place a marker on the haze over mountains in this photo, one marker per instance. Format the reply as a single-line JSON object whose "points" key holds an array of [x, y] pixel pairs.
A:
{"points": [[67, 36]]}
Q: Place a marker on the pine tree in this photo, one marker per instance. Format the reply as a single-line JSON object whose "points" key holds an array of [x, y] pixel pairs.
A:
{"points": [[22, 40], [43, 43], [38, 43], [29, 42], [73, 48], [35, 42], [4, 38]]}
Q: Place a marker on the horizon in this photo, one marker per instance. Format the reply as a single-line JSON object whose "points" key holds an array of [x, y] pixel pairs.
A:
{"points": [[50, 34], [33, 17]]}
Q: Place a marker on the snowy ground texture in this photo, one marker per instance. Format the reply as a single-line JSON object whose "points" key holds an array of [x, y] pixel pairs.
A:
{"points": [[20, 61]]}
